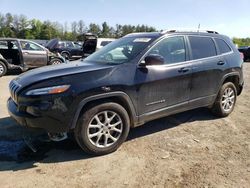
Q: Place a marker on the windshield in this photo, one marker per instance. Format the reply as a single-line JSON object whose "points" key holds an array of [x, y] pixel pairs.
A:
{"points": [[121, 51]]}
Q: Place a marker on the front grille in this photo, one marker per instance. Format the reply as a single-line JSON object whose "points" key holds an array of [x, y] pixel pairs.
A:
{"points": [[14, 88]]}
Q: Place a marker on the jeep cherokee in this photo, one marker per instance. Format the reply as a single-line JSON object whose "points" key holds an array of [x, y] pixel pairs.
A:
{"points": [[133, 80]]}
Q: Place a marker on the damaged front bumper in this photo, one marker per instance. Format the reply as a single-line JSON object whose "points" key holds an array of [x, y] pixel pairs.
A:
{"points": [[45, 122]]}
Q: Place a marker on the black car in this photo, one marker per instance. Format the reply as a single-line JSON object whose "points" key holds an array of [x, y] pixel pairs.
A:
{"points": [[136, 79], [246, 52], [68, 49], [24, 54]]}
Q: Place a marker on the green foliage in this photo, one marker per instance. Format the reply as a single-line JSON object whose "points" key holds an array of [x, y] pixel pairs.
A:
{"points": [[21, 27], [242, 41]]}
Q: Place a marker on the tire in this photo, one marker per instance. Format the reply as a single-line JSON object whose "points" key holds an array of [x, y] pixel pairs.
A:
{"points": [[66, 55], [3, 69], [55, 61], [93, 130], [225, 101]]}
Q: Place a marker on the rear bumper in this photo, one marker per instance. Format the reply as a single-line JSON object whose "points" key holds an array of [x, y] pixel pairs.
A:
{"points": [[42, 122]]}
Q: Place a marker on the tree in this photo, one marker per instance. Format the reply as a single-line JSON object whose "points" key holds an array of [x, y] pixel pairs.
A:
{"points": [[74, 29], [118, 31], [105, 30], [8, 31], [20, 26], [81, 27], [23, 31], [94, 28]]}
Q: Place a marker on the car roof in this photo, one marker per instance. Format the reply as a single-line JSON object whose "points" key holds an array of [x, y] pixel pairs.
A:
{"points": [[7, 39], [175, 32]]}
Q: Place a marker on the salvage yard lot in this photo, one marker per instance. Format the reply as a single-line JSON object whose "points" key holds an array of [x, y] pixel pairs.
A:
{"points": [[191, 149]]}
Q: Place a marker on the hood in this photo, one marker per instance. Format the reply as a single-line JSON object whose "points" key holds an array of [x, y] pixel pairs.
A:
{"points": [[52, 44], [53, 71]]}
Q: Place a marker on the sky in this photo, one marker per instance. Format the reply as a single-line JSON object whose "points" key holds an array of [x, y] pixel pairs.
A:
{"points": [[228, 17]]}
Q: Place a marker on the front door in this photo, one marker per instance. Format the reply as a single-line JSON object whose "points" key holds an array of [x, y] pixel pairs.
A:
{"points": [[167, 85], [33, 54]]}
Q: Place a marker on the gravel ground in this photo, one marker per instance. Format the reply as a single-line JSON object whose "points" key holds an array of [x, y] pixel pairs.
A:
{"points": [[191, 149]]}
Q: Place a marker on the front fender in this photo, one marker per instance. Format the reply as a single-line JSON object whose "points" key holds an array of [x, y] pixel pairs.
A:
{"points": [[121, 95]]}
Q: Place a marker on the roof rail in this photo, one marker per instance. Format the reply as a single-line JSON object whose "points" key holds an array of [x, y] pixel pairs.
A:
{"points": [[197, 31]]}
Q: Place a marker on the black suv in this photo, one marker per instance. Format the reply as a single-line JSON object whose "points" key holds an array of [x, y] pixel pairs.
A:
{"points": [[245, 50], [68, 49], [133, 80]]}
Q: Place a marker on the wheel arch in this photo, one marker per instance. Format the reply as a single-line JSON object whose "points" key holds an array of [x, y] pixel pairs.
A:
{"points": [[118, 97], [235, 79], [65, 51], [5, 62]]}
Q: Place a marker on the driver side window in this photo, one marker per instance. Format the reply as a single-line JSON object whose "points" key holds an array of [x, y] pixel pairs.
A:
{"points": [[30, 46], [172, 49]]}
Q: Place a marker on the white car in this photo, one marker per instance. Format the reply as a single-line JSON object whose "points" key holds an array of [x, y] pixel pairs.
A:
{"points": [[92, 44]]}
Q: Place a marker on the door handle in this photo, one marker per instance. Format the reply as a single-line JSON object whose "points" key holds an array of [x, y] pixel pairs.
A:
{"points": [[183, 70], [25, 53], [221, 63]]}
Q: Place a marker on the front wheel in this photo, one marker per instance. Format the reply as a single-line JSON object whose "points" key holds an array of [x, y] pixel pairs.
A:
{"points": [[102, 129], [225, 100], [3, 69], [55, 61]]}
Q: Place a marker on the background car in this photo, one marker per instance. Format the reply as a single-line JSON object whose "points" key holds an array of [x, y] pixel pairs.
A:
{"points": [[92, 43], [24, 54], [68, 49], [246, 52]]}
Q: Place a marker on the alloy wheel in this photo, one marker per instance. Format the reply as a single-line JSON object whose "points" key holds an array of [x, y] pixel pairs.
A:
{"points": [[56, 62], [104, 129], [1, 69], [228, 99]]}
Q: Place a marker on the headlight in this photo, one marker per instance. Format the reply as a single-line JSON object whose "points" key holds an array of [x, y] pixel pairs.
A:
{"points": [[49, 90]]}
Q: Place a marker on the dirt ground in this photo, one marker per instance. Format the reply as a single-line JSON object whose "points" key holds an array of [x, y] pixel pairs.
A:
{"points": [[191, 149]]}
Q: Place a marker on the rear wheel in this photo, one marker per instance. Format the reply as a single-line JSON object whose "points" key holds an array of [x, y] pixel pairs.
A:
{"points": [[102, 128], [3, 69], [225, 100]]}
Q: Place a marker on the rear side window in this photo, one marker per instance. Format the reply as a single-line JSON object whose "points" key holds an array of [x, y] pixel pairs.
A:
{"points": [[223, 46], [202, 47]]}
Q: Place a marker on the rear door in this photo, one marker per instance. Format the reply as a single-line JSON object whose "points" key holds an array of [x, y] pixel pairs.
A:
{"points": [[207, 67], [34, 55]]}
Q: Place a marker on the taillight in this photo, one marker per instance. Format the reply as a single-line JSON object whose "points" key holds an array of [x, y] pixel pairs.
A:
{"points": [[242, 56]]}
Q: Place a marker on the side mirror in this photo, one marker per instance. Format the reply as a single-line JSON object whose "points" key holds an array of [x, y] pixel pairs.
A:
{"points": [[153, 59]]}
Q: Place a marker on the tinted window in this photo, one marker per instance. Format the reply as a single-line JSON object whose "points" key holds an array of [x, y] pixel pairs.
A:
{"points": [[8, 45], [61, 45], [3, 45], [202, 47], [171, 49], [104, 43], [69, 45], [30, 46], [223, 46]]}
